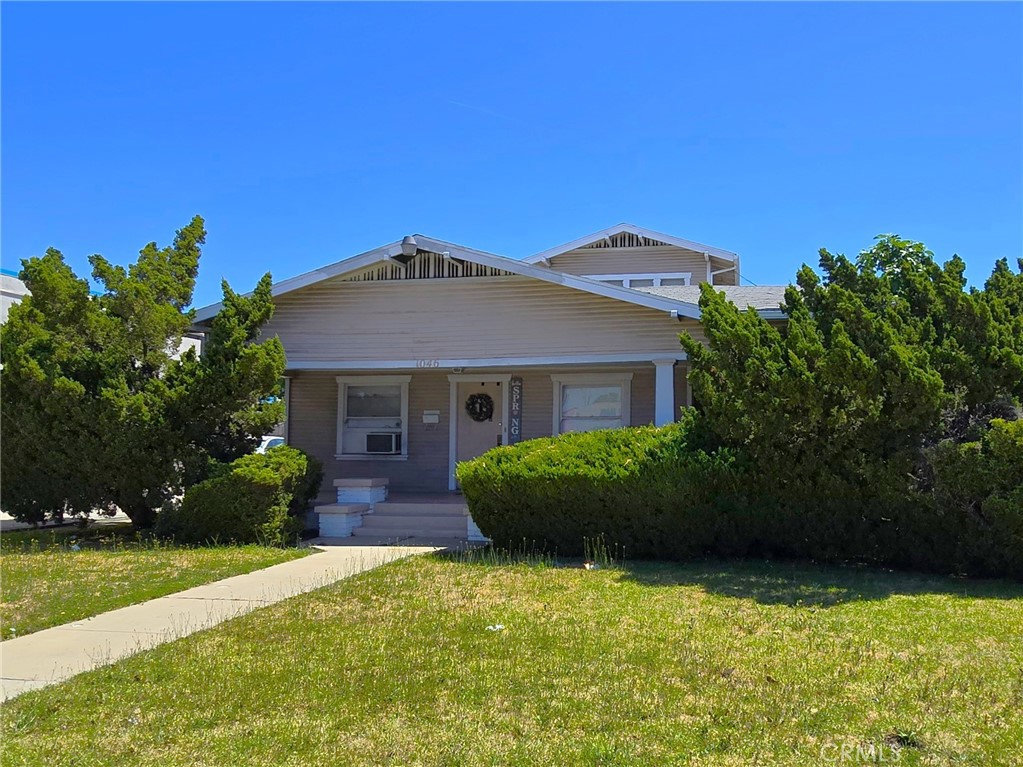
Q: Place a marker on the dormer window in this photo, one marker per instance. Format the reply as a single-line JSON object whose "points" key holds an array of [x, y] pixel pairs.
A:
{"points": [[643, 280]]}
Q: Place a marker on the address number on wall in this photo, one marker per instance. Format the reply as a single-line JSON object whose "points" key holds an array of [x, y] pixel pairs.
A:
{"points": [[427, 363]]}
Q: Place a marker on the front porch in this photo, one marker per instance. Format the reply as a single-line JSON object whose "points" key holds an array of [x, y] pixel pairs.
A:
{"points": [[412, 427]]}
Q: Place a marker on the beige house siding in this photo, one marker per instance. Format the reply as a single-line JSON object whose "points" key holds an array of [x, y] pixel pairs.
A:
{"points": [[681, 387], [312, 423], [726, 278], [644, 260], [642, 396], [464, 319], [537, 403]]}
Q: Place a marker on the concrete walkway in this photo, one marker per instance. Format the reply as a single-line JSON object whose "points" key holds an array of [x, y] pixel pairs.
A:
{"points": [[53, 655]]}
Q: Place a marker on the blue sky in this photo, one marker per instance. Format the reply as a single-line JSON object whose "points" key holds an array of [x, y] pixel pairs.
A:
{"points": [[308, 133]]}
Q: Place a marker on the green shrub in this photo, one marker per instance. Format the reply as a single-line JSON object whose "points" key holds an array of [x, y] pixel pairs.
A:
{"points": [[654, 492], [258, 498], [644, 489]]}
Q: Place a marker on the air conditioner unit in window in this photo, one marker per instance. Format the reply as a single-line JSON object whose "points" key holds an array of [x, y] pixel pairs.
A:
{"points": [[383, 444]]}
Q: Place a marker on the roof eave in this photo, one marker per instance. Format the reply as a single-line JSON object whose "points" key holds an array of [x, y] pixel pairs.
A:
{"points": [[514, 266]]}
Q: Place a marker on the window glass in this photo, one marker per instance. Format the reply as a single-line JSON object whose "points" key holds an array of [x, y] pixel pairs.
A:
{"points": [[674, 281], [619, 283], [374, 402], [641, 283], [588, 407]]}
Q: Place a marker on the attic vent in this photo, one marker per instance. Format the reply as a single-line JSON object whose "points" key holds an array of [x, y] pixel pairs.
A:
{"points": [[425, 266], [625, 240]]}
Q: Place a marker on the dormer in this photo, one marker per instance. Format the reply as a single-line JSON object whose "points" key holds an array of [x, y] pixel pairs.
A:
{"points": [[634, 257]]}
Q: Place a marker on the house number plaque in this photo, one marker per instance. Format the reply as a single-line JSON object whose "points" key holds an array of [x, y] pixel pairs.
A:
{"points": [[514, 410]]}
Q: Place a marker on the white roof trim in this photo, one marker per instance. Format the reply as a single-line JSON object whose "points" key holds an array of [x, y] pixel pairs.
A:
{"points": [[632, 229], [514, 266]]}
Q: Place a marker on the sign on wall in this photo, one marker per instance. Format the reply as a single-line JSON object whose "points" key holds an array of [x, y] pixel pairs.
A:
{"points": [[515, 410]]}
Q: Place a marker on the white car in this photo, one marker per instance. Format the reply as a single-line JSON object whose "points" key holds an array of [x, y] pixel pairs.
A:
{"points": [[268, 442]]}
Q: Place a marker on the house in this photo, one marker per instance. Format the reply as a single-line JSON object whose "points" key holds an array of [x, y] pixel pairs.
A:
{"points": [[416, 355]]}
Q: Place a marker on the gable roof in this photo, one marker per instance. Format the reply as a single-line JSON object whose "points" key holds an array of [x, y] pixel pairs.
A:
{"points": [[639, 231], [524, 268]]}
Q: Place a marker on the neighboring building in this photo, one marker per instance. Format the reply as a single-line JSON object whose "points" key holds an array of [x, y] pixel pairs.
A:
{"points": [[188, 341], [416, 355], [12, 290]]}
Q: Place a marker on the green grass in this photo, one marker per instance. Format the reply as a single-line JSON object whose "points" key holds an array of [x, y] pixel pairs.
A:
{"points": [[647, 664], [49, 577]]}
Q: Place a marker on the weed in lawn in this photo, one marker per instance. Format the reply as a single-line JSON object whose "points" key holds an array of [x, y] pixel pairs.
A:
{"points": [[599, 556]]}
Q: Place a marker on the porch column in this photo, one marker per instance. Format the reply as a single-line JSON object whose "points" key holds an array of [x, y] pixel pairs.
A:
{"points": [[664, 391]]}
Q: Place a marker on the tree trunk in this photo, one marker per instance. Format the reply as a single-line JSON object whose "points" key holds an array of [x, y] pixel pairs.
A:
{"points": [[141, 515]]}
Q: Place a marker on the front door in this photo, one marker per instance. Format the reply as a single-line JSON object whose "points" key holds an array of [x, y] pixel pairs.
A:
{"points": [[480, 418]]}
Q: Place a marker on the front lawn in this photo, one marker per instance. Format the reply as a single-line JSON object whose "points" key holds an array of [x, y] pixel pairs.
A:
{"points": [[49, 577], [699, 664]]}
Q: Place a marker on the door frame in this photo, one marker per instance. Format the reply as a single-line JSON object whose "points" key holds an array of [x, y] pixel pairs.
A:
{"points": [[454, 410]]}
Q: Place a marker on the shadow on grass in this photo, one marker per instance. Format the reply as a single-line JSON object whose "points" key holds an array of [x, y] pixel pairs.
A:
{"points": [[808, 585], [794, 584], [103, 534]]}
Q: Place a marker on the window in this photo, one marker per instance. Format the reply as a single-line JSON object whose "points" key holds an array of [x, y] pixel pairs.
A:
{"points": [[372, 417], [591, 401], [643, 280]]}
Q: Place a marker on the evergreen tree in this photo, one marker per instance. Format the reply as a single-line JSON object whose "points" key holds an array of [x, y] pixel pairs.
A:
{"points": [[99, 412], [834, 412]]}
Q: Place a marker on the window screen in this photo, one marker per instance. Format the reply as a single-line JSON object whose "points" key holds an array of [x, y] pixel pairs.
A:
{"points": [[374, 402], [589, 407]]}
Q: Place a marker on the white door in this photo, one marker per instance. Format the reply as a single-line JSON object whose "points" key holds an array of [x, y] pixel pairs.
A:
{"points": [[480, 418]]}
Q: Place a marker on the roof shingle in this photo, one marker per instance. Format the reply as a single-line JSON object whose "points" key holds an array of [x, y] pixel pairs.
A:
{"points": [[759, 297]]}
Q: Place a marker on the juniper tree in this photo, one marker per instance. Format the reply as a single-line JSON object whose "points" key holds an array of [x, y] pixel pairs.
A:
{"points": [[98, 411], [833, 412]]}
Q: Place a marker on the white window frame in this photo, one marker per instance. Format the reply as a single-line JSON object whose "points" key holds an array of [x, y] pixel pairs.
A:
{"points": [[626, 279], [343, 382], [593, 379]]}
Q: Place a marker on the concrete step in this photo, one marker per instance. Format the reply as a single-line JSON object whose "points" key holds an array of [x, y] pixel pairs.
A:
{"points": [[416, 509], [438, 526], [421, 521], [342, 508], [361, 482]]}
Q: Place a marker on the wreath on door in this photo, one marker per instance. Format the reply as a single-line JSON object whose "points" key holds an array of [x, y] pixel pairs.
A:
{"points": [[480, 407]]}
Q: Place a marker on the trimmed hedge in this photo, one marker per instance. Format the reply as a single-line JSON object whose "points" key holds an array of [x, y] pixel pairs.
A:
{"points": [[655, 493], [258, 498], [642, 488]]}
